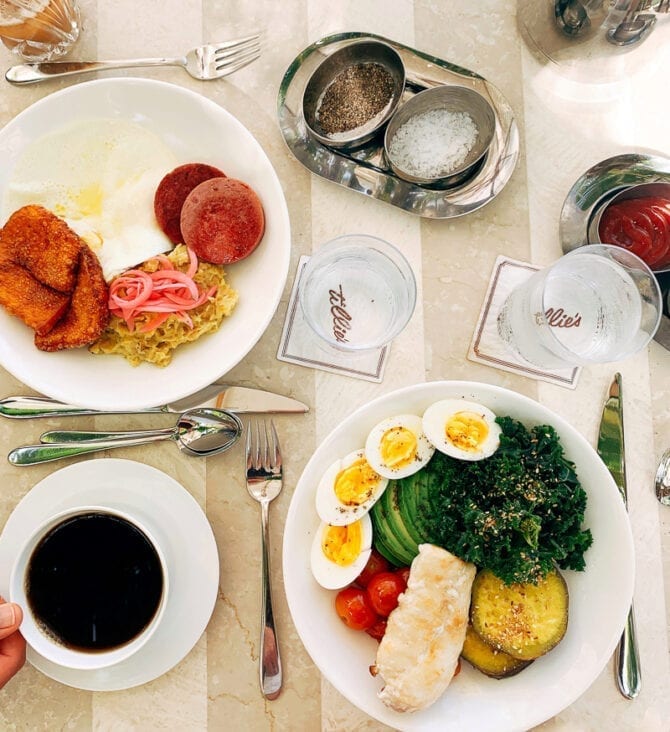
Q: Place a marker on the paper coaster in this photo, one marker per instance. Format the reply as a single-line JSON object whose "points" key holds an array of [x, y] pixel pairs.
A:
{"points": [[487, 347], [300, 345]]}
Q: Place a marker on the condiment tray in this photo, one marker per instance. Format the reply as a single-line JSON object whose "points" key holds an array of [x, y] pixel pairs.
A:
{"points": [[366, 170], [594, 188]]}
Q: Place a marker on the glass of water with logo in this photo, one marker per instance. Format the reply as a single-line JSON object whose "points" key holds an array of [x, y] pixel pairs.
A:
{"points": [[39, 30], [357, 292], [597, 304]]}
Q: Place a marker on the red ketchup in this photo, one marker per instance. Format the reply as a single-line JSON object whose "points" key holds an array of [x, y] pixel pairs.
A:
{"points": [[641, 225]]}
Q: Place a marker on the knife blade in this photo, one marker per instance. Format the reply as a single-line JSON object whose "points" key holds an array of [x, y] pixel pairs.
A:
{"points": [[238, 399], [612, 451]]}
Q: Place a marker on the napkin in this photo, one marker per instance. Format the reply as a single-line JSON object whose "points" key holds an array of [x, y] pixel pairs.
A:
{"points": [[488, 348], [300, 345]]}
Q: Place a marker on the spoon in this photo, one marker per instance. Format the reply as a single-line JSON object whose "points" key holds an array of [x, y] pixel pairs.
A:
{"points": [[662, 482], [198, 432]]}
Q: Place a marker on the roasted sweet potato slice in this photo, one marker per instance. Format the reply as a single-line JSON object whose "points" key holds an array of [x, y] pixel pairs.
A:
{"points": [[88, 314], [523, 619], [37, 305], [489, 660], [44, 244]]}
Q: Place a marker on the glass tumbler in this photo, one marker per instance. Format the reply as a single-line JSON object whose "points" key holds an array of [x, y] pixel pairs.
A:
{"points": [[597, 304], [357, 292], [39, 30]]}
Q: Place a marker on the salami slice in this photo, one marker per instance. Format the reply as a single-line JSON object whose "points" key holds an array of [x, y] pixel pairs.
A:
{"points": [[222, 220], [172, 192]]}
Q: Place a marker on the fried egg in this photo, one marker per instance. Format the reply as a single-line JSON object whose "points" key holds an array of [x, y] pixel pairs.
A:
{"points": [[463, 430], [397, 447], [339, 553], [348, 490], [100, 175]]}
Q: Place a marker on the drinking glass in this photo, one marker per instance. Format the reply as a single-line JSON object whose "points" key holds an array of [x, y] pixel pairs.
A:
{"points": [[597, 304], [357, 292], [39, 30]]}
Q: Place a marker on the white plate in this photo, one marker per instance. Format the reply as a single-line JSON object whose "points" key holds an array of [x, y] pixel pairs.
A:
{"points": [[599, 597], [173, 516], [196, 129]]}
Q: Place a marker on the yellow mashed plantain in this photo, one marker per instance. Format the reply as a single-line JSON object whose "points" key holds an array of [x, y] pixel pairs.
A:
{"points": [[157, 346]]}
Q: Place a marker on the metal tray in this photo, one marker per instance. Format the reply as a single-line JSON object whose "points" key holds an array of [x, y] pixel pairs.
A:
{"points": [[366, 170], [592, 190]]}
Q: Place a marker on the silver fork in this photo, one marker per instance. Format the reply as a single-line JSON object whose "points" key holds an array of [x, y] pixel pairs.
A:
{"points": [[264, 483], [212, 61]]}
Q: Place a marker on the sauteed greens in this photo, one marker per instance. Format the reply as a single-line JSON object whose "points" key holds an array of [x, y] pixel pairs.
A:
{"points": [[517, 513]]}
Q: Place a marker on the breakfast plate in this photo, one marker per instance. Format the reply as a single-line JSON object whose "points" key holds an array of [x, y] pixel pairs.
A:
{"points": [[195, 129], [177, 522], [599, 597]]}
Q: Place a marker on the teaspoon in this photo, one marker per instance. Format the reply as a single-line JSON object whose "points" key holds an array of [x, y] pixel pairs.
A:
{"points": [[662, 482], [198, 432]]}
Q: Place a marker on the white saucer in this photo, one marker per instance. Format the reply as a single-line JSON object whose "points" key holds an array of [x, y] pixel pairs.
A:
{"points": [[178, 523]]}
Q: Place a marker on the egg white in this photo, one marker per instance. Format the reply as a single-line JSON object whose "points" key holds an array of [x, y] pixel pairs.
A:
{"points": [[100, 175], [332, 576], [437, 416], [328, 505], [424, 449]]}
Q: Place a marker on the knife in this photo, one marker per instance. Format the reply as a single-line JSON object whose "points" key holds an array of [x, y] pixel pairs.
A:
{"points": [[611, 449], [239, 399]]}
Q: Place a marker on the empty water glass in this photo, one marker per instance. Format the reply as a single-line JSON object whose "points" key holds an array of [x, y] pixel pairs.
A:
{"points": [[357, 292], [597, 304]]}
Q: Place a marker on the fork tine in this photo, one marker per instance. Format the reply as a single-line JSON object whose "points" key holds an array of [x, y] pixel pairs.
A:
{"points": [[251, 446], [236, 42], [275, 458], [231, 51], [227, 67]]}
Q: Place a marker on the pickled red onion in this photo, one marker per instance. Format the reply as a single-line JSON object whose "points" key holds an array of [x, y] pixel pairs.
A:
{"points": [[167, 291]]}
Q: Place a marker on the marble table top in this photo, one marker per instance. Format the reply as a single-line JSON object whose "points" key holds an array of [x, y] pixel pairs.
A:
{"points": [[565, 127]]}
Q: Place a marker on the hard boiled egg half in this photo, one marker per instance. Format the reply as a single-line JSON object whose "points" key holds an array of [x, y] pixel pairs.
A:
{"points": [[462, 429], [348, 490], [397, 446], [339, 553]]}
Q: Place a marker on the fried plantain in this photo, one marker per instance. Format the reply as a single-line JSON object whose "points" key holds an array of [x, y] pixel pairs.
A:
{"points": [[37, 305], [88, 314], [44, 244]]}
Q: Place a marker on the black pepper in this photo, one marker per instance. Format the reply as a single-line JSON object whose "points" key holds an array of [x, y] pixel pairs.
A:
{"points": [[354, 97]]}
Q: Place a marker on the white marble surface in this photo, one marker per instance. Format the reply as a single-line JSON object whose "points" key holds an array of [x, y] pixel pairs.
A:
{"points": [[565, 127]]}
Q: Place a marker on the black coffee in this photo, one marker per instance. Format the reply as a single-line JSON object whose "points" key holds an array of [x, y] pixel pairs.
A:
{"points": [[94, 582]]}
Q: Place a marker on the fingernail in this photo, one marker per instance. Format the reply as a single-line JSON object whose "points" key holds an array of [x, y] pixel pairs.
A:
{"points": [[7, 615]]}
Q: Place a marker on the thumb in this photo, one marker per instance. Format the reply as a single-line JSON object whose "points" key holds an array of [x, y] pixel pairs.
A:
{"points": [[10, 618]]}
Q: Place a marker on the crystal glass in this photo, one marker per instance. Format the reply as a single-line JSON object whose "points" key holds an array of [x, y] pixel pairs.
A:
{"points": [[597, 304], [357, 292], [39, 30]]}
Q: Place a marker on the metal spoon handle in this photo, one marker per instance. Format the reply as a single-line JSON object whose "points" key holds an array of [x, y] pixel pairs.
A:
{"points": [[628, 674], [270, 662], [95, 436], [42, 453]]}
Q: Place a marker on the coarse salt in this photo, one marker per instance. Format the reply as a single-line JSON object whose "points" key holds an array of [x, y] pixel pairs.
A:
{"points": [[433, 143]]}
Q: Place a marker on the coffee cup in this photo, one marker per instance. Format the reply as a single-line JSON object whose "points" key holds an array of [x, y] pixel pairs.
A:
{"points": [[93, 584]]}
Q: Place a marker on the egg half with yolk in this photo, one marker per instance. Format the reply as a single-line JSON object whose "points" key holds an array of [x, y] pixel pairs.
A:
{"points": [[397, 446], [462, 429], [339, 553], [348, 489]]}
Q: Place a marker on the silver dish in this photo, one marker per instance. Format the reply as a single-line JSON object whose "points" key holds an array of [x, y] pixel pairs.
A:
{"points": [[593, 190], [366, 170]]}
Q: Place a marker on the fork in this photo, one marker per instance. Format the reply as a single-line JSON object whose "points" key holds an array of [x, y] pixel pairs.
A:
{"points": [[264, 483], [212, 61]]}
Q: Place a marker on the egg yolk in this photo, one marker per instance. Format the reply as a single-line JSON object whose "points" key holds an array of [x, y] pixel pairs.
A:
{"points": [[467, 431], [356, 483], [342, 544], [398, 447]]}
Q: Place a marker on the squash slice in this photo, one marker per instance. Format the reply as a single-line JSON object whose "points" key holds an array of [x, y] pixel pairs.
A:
{"points": [[489, 660], [525, 620]]}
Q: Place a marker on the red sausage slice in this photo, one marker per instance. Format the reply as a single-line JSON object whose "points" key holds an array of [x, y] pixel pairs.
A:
{"points": [[222, 220], [172, 192]]}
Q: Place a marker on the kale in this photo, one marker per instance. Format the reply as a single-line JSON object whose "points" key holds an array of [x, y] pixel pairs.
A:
{"points": [[517, 513]]}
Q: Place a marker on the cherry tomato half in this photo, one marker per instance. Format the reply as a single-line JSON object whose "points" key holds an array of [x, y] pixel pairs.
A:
{"points": [[375, 564], [377, 629], [403, 573], [383, 590], [353, 606]]}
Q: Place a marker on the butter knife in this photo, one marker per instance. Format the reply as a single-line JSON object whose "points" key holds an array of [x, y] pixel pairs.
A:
{"points": [[611, 449], [239, 399]]}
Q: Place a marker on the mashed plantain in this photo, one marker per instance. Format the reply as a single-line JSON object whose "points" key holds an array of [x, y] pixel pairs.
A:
{"points": [[157, 346]]}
